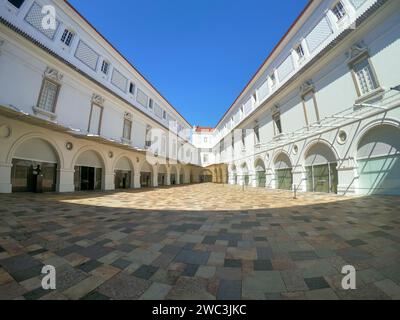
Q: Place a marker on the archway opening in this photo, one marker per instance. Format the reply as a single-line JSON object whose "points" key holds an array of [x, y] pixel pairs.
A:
{"points": [[206, 176], [123, 174], [378, 159], [283, 172], [234, 174], [174, 175], [34, 167], [162, 175], [89, 170], [321, 169], [260, 173], [146, 175], [245, 175]]}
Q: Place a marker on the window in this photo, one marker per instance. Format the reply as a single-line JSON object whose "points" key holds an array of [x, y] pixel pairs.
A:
{"points": [[273, 79], [233, 141], [17, 3], [365, 77], [105, 67], [300, 51], [277, 120], [205, 139], [257, 134], [244, 138], [95, 119], [132, 88], [67, 37], [164, 114], [221, 146], [127, 129], [205, 158], [151, 104], [339, 11], [48, 96], [148, 137]]}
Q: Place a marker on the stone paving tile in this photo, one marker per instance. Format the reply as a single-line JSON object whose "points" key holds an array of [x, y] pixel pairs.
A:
{"points": [[229, 290], [205, 241], [124, 287]]}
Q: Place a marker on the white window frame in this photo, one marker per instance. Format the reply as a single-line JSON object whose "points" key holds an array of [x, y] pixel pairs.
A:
{"points": [[100, 118], [103, 63], [339, 10], [372, 74], [39, 107], [64, 38]]}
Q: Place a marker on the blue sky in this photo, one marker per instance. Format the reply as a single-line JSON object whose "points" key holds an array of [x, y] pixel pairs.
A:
{"points": [[198, 53]]}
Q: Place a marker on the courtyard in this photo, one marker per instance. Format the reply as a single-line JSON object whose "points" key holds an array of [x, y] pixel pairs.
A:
{"points": [[203, 241]]}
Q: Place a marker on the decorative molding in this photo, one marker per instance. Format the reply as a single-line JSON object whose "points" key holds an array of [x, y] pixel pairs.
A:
{"points": [[356, 51], [5, 131], [98, 99], [128, 116], [53, 74], [307, 87]]}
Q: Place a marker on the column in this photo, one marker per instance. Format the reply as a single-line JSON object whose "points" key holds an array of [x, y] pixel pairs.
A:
{"points": [[109, 181], [168, 181], [347, 177], [155, 177], [269, 179], [136, 180], [65, 178], [5, 178], [299, 178]]}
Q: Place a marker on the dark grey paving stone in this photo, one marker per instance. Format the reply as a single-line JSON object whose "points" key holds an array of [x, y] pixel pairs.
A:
{"points": [[190, 270], [145, 272], [95, 252], [125, 247], [192, 257], [19, 263], [22, 275], [209, 240], [70, 249], [356, 242], [35, 294], [38, 251], [124, 287], [121, 264], [89, 265], [68, 276], [316, 283], [303, 255], [170, 249], [262, 265], [353, 254], [232, 263], [95, 296], [264, 253], [260, 239], [229, 290]]}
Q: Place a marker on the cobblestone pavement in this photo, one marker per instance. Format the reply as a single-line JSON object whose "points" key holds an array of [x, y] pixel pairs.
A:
{"points": [[199, 242]]}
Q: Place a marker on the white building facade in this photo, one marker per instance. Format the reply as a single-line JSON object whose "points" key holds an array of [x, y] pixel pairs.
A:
{"points": [[72, 105], [322, 113]]}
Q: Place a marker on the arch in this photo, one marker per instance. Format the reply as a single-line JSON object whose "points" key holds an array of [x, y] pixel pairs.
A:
{"points": [[162, 175], [206, 175], [233, 174], [35, 164], [41, 136], [90, 168], [378, 160], [173, 175], [259, 168], [124, 171], [245, 174], [146, 174], [321, 167], [283, 171]]}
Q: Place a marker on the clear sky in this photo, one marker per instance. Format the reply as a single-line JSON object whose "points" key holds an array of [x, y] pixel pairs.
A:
{"points": [[198, 53]]}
